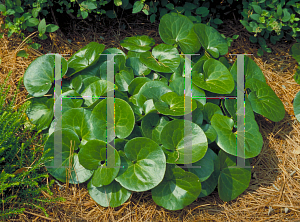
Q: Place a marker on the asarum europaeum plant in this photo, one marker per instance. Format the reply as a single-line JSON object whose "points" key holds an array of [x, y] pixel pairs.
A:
{"points": [[149, 116]]}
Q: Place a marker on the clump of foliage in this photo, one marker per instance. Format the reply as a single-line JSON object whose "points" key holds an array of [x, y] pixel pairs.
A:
{"points": [[271, 19], [149, 136], [21, 169]]}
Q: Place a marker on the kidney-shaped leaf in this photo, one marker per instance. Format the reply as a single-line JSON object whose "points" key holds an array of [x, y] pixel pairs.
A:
{"points": [[164, 58], [124, 118], [67, 157], [178, 189], [39, 75], [145, 164], [85, 57], [264, 100], [152, 125], [92, 154], [173, 141], [215, 77], [112, 195], [205, 166], [211, 40], [40, 112], [139, 43]]}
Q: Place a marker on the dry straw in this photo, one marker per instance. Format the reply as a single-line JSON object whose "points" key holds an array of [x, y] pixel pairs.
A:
{"points": [[274, 191]]}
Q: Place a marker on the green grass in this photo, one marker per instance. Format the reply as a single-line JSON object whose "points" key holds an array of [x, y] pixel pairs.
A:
{"points": [[21, 166]]}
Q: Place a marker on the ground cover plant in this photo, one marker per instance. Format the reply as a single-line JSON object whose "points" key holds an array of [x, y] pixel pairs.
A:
{"points": [[149, 109], [21, 169]]}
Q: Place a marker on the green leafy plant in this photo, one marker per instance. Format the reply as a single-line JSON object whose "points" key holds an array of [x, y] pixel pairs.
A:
{"points": [[21, 168], [149, 109], [295, 52], [271, 19]]}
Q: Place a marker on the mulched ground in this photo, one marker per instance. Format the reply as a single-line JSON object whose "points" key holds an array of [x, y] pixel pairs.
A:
{"points": [[275, 183]]}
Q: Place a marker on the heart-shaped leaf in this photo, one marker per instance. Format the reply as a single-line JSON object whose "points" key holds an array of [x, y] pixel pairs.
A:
{"points": [[209, 110], [251, 70], [172, 104], [124, 78], [139, 43], [211, 40], [178, 189], [39, 75], [70, 142], [139, 68], [173, 141], [152, 90], [164, 58], [232, 181], [209, 185], [85, 57], [213, 77], [94, 90], [177, 29], [264, 100], [112, 195], [145, 163]]}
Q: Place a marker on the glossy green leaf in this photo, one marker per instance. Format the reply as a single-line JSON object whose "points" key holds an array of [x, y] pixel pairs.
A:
{"points": [[209, 110], [213, 77], [92, 156], [296, 106], [138, 68], [94, 90], [211, 40], [40, 112], [164, 58], [173, 139], [70, 142], [145, 163], [73, 101], [112, 195], [233, 181], [152, 125], [174, 105], [85, 57], [39, 76], [264, 100], [178, 189], [175, 28], [139, 43], [251, 70], [210, 132], [206, 167], [152, 90], [136, 84], [124, 117], [209, 185], [123, 78]]}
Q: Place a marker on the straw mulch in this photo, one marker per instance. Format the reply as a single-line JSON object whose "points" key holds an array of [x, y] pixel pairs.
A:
{"points": [[274, 191]]}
